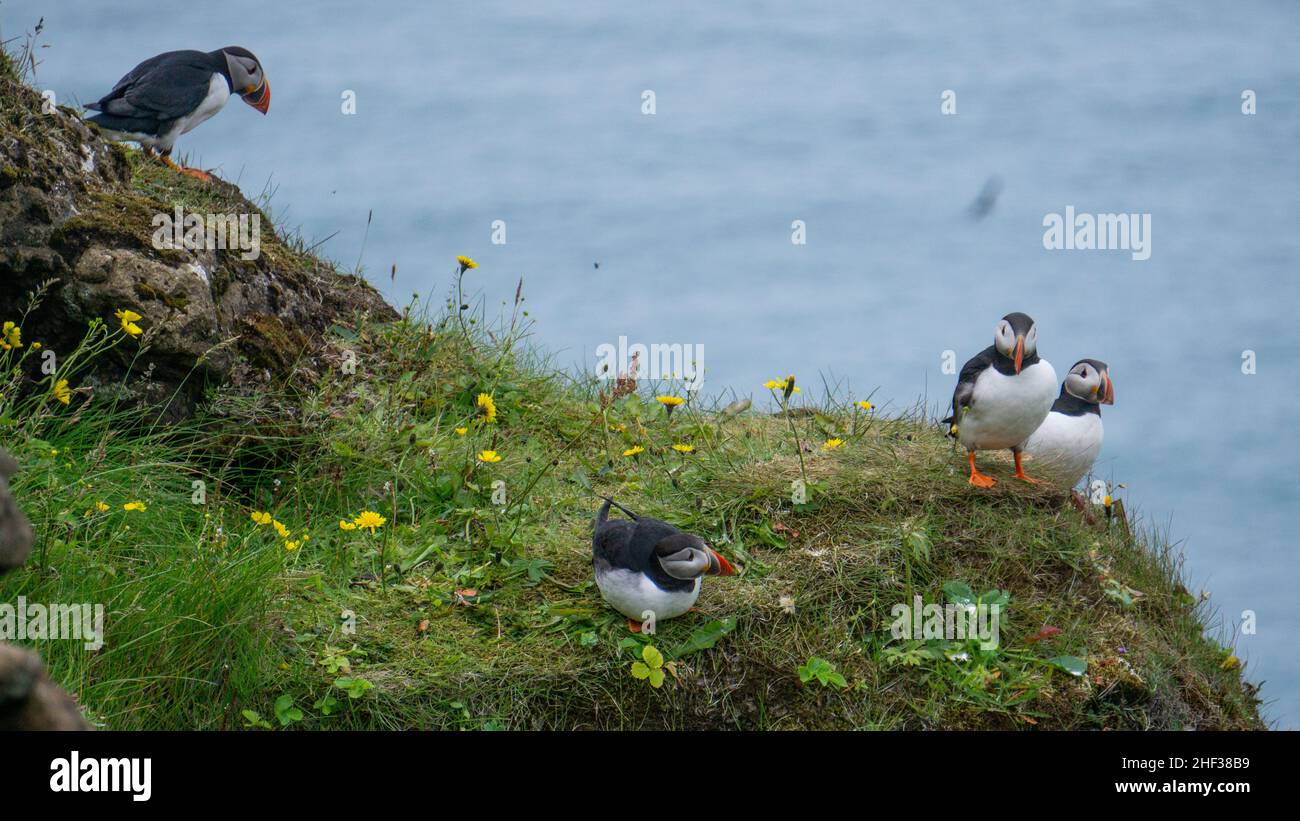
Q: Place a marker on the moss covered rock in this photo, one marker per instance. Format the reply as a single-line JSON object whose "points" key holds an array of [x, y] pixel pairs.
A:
{"points": [[93, 219]]}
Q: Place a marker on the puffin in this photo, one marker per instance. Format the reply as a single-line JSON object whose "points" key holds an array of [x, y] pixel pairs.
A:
{"points": [[173, 93], [1003, 394], [647, 569], [1067, 443]]}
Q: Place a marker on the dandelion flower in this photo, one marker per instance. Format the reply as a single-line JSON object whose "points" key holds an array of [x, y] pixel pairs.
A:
{"points": [[61, 391], [669, 402], [489, 456], [466, 264], [784, 385], [489, 407], [11, 336], [832, 444], [680, 448], [140, 506], [260, 518], [346, 525], [461, 431], [865, 405], [369, 520], [128, 319], [633, 451]]}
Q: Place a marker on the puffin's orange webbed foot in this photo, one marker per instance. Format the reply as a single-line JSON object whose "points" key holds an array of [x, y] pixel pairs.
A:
{"points": [[193, 172], [634, 625], [976, 478], [1020, 471]]}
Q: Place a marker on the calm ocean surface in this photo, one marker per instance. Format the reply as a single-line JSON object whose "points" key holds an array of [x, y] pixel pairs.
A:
{"points": [[829, 113]]}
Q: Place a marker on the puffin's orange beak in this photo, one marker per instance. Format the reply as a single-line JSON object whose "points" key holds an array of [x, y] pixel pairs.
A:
{"points": [[1109, 397], [260, 99], [1020, 350], [719, 566]]}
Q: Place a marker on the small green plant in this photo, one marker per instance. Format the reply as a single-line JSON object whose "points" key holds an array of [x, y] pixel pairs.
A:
{"points": [[650, 668], [823, 671], [355, 687], [253, 720], [286, 712]]}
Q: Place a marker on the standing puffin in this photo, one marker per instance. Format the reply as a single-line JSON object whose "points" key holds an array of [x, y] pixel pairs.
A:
{"points": [[171, 94], [647, 569], [1003, 394], [1067, 443]]}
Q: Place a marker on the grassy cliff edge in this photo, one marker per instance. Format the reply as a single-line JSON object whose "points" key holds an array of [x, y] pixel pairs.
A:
{"points": [[240, 593]]}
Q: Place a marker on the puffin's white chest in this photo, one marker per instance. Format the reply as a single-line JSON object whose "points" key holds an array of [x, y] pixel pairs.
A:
{"points": [[1064, 447], [633, 594], [1005, 410], [218, 94]]}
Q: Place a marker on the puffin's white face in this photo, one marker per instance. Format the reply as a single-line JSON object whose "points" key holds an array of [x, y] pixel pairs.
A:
{"points": [[1090, 381], [692, 558], [1013, 345], [247, 78]]}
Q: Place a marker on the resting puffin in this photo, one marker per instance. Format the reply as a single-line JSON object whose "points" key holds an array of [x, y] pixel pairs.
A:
{"points": [[171, 94], [648, 569], [1067, 443], [1003, 394]]}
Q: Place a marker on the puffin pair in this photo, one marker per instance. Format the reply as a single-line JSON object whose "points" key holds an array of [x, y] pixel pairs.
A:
{"points": [[171, 94], [1004, 399], [647, 569]]}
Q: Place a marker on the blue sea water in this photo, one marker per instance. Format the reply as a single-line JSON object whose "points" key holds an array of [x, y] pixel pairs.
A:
{"points": [[829, 113]]}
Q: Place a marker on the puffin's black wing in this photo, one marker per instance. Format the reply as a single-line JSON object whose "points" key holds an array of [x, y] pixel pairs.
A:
{"points": [[157, 91], [610, 538], [964, 394]]}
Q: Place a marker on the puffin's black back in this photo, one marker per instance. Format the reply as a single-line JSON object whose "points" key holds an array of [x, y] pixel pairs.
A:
{"points": [[630, 545], [158, 91]]}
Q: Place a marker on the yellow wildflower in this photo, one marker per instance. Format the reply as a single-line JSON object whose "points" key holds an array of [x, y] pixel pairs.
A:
{"points": [[260, 518], [36, 346], [101, 507], [669, 401], [11, 336], [786, 385], [461, 431], [61, 391], [832, 444], [292, 545], [369, 520], [684, 448], [280, 528], [466, 263], [865, 405], [489, 407], [134, 506], [489, 456], [633, 451], [346, 525], [128, 319]]}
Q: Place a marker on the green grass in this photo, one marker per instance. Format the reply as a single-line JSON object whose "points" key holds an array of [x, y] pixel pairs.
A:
{"points": [[469, 614]]}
